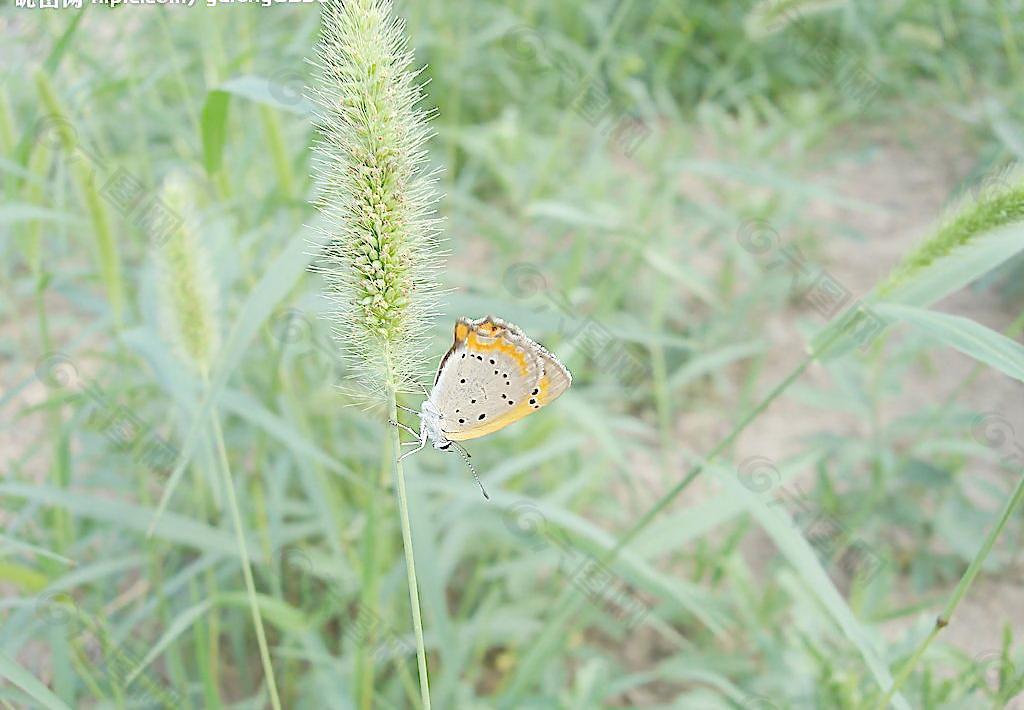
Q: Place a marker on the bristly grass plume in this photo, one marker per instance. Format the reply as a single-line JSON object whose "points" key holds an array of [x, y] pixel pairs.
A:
{"points": [[378, 198], [998, 202], [187, 290], [189, 300]]}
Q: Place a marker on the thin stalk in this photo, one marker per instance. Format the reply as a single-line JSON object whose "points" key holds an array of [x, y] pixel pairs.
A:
{"points": [[250, 587], [85, 665], [364, 666], [659, 373], [211, 652], [203, 645], [107, 256], [179, 77], [278, 152], [61, 520], [35, 193], [410, 563], [110, 651], [7, 141], [958, 594], [1006, 26]]}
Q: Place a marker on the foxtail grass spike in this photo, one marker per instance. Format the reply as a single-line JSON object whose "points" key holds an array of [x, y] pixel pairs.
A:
{"points": [[188, 293], [996, 201], [382, 243]]}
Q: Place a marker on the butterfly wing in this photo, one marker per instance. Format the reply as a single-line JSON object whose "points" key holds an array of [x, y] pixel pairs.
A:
{"points": [[492, 376], [555, 380]]}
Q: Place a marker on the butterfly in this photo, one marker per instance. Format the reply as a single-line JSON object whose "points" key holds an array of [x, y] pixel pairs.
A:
{"points": [[492, 376]]}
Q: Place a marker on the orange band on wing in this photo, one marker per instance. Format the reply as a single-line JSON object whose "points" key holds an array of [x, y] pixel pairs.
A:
{"points": [[542, 395], [515, 414], [473, 343]]}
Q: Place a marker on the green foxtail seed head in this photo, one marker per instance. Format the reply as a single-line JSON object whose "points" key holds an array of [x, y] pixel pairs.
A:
{"points": [[186, 288], [997, 201], [382, 239]]}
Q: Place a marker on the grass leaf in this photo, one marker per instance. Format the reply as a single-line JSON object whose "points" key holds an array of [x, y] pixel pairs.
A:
{"points": [[13, 672], [215, 129], [963, 334]]}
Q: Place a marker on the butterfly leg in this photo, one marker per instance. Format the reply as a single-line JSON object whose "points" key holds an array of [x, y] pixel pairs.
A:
{"points": [[410, 453], [421, 441], [406, 409], [409, 429]]}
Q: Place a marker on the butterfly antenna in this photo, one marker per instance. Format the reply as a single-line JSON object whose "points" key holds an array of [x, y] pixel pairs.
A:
{"points": [[472, 468]]}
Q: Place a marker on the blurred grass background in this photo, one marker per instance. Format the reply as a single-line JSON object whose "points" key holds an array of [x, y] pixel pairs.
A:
{"points": [[600, 159]]}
